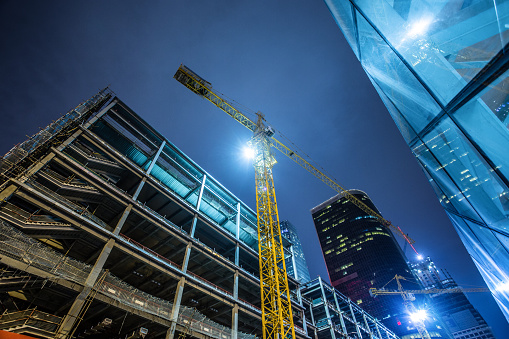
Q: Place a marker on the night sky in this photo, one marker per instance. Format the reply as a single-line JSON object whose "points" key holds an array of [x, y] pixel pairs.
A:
{"points": [[288, 60]]}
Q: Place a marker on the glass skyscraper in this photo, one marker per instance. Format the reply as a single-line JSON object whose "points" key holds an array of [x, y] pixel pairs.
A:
{"points": [[296, 265], [441, 69], [360, 254], [457, 313]]}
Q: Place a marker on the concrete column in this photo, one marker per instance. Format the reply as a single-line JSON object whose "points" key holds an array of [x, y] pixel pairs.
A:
{"points": [[70, 319], [74, 312], [186, 257], [235, 321], [176, 308], [236, 284], [122, 220]]}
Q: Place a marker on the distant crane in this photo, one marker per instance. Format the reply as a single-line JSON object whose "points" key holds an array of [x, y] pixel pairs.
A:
{"points": [[408, 298], [277, 318]]}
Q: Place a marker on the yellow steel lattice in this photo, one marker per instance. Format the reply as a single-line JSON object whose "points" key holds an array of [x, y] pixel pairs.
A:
{"points": [[277, 319]]}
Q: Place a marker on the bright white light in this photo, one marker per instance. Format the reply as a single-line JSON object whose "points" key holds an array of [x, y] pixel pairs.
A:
{"points": [[419, 316], [504, 287], [420, 27], [419, 257], [248, 152]]}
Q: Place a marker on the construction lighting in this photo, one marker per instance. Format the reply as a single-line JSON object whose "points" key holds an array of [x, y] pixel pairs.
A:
{"points": [[419, 316], [420, 257], [248, 152]]}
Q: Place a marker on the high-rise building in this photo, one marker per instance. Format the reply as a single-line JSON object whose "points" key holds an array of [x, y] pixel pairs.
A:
{"points": [[360, 254], [456, 312], [441, 70], [108, 230], [296, 265]]}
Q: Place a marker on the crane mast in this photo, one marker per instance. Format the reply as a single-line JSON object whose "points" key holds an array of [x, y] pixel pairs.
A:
{"points": [[277, 319]]}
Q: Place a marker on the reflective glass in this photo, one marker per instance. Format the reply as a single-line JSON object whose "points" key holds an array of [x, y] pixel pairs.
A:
{"points": [[446, 42], [444, 181], [343, 14], [394, 78], [478, 183], [485, 120]]}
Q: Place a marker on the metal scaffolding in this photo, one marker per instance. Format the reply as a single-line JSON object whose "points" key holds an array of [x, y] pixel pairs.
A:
{"points": [[20, 247]]}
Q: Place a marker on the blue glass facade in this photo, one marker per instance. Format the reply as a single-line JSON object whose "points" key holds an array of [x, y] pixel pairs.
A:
{"points": [[441, 69], [296, 265]]}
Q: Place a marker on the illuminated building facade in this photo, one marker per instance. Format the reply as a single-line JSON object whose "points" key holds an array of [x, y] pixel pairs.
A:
{"points": [[296, 265], [359, 254], [457, 313], [441, 69]]}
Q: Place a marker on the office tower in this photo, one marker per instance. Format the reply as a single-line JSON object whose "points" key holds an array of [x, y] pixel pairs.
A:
{"points": [[457, 313], [107, 228], [296, 265], [441, 70], [335, 316], [360, 254]]}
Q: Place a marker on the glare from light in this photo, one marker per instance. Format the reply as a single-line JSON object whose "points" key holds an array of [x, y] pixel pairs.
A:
{"points": [[419, 316], [420, 27], [503, 287], [248, 152], [419, 257]]}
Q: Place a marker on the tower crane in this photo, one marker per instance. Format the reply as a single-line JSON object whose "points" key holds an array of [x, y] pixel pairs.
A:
{"points": [[408, 298], [277, 319]]}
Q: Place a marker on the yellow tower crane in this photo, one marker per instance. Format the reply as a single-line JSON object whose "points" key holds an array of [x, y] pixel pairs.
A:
{"points": [[408, 298], [277, 319]]}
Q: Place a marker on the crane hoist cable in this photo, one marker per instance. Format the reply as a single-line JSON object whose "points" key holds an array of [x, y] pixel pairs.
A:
{"points": [[277, 319]]}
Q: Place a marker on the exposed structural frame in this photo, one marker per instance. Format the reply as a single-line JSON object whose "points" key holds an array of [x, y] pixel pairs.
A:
{"points": [[276, 312], [136, 205]]}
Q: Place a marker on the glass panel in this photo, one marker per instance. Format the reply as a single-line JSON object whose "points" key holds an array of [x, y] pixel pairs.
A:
{"points": [[342, 12], [444, 182], [446, 42], [394, 79], [476, 182], [404, 127], [485, 121]]}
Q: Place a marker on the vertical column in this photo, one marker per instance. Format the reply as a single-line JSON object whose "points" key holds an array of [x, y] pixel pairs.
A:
{"points": [[178, 294], [367, 325], [149, 169], [340, 311], [78, 304], [325, 304], [235, 321], [299, 297], [176, 308], [198, 203], [378, 329], [235, 310], [354, 319]]}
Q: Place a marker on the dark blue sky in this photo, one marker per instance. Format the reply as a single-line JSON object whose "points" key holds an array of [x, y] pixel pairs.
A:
{"points": [[286, 59]]}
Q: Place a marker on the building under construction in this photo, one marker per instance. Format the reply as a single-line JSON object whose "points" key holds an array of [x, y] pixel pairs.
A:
{"points": [[108, 230]]}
